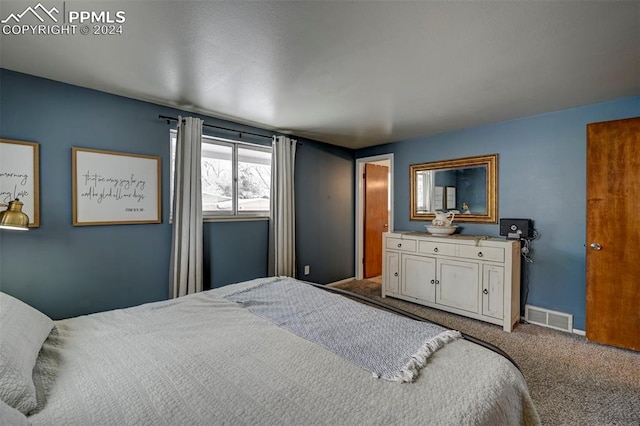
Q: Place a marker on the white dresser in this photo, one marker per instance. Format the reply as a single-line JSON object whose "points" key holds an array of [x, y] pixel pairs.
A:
{"points": [[478, 277]]}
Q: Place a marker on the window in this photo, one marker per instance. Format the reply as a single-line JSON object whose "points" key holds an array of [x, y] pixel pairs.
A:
{"points": [[236, 177], [425, 185]]}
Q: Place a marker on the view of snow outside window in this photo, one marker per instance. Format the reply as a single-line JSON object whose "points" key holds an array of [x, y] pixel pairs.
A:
{"points": [[253, 177]]}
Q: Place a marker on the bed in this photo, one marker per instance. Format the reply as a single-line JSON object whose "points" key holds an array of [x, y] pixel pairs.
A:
{"points": [[272, 351]]}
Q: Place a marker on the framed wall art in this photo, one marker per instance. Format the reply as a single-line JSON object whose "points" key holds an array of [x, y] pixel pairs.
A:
{"points": [[20, 176], [451, 197], [438, 198], [111, 187]]}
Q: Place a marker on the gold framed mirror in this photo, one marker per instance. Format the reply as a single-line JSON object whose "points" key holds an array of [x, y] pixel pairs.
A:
{"points": [[466, 186]]}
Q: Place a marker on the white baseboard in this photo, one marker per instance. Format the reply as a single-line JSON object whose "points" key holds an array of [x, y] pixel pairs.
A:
{"points": [[346, 280]]}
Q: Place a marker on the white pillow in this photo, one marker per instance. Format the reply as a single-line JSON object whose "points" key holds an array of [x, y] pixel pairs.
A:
{"points": [[12, 417], [23, 329]]}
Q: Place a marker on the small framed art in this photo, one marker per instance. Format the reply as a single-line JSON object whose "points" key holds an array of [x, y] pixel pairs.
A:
{"points": [[451, 197]]}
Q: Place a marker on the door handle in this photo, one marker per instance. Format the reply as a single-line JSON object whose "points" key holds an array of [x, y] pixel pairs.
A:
{"points": [[595, 246], [386, 226]]}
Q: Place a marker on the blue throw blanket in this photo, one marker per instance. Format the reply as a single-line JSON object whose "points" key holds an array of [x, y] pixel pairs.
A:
{"points": [[390, 346]]}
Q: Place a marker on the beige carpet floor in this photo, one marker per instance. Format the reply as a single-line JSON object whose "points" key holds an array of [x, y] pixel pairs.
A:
{"points": [[572, 381]]}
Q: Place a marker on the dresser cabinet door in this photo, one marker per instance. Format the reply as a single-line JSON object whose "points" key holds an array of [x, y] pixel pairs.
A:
{"points": [[392, 272], [458, 285], [493, 291], [418, 277]]}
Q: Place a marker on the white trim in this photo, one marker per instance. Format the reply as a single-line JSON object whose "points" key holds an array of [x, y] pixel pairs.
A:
{"points": [[360, 162], [239, 218], [346, 280], [579, 332]]}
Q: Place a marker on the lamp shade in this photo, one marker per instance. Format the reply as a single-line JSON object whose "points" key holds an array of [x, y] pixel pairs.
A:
{"points": [[13, 218]]}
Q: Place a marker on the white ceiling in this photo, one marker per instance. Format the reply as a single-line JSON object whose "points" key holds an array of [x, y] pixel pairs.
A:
{"points": [[350, 73]]}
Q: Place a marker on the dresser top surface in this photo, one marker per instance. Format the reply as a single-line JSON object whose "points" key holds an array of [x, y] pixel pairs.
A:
{"points": [[458, 237]]}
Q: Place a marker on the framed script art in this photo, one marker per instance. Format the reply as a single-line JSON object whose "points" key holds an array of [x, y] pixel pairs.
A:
{"points": [[19, 176], [115, 188]]}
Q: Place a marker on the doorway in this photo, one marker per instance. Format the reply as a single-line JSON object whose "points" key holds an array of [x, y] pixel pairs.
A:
{"points": [[371, 224]]}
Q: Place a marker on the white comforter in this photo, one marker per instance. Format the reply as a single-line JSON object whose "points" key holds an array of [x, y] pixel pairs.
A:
{"points": [[203, 360]]}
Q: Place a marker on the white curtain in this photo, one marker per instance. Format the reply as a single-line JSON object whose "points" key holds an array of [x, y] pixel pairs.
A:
{"points": [[282, 226], [430, 190], [186, 242]]}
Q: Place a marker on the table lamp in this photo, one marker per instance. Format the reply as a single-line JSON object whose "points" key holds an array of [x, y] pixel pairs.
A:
{"points": [[13, 218]]}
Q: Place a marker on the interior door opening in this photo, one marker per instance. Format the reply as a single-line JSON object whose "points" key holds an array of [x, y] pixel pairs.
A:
{"points": [[374, 211]]}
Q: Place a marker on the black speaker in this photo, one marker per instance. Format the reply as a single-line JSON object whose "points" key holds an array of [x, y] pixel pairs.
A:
{"points": [[514, 229]]}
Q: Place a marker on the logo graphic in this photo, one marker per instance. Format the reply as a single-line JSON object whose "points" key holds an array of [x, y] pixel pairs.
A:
{"points": [[94, 22], [34, 11]]}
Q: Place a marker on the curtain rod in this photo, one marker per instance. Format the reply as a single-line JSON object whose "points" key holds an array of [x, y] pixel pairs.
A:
{"points": [[240, 132]]}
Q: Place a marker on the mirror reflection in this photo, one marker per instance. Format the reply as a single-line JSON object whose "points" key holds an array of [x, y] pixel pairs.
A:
{"points": [[461, 191], [465, 186]]}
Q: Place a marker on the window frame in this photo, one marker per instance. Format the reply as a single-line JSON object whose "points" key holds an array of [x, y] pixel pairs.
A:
{"points": [[226, 215]]}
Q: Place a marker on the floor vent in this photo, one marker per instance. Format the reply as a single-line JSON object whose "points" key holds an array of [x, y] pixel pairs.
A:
{"points": [[546, 318]]}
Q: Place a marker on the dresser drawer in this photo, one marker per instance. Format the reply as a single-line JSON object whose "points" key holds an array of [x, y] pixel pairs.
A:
{"points": [[429, 247], [401, 245], [494, 254]]}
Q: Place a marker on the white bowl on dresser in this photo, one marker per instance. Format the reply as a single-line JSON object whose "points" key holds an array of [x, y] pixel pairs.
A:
{"points": [[441, 230]]}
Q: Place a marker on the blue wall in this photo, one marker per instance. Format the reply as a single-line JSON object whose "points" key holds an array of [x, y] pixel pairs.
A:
{"points": [[66, 271], [326, 191], [542, 176]]}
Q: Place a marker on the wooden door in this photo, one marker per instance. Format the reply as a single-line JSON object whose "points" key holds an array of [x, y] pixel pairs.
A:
{"points": [[613, 233], [376, 216]]}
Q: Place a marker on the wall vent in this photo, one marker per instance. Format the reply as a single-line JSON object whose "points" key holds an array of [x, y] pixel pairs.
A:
{"points": [[546, 318]]}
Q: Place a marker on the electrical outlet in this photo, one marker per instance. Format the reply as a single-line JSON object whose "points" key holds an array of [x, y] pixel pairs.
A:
{"points": [[307, 269]]}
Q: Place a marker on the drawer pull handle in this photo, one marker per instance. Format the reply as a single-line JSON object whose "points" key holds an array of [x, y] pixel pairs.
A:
{"points": [[433, 281], [479, 254], [395, 274], [399, 245], [435, 249], [485, 291]]}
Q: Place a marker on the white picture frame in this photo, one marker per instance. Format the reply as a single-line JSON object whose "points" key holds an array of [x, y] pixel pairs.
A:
{"points": [[20, 176]]}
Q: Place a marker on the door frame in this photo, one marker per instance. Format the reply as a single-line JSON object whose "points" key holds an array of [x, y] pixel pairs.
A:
{"points": [[359, 181]]}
